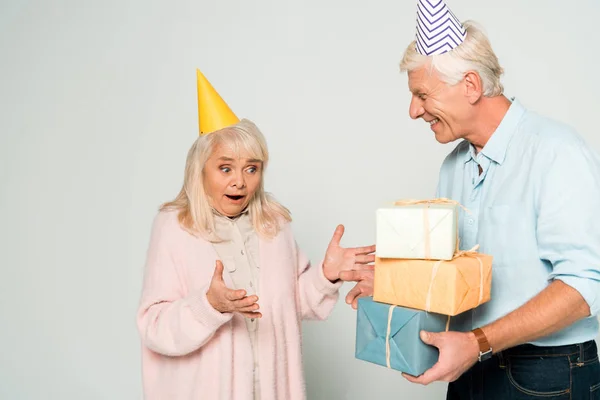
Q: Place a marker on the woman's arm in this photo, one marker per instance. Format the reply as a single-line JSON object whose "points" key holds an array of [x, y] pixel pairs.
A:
{"points": [[317, 295], [169, 322]]}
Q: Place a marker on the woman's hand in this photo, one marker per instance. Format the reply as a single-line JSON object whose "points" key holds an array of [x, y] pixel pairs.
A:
{"points": [[226, 300], [338, 260]]}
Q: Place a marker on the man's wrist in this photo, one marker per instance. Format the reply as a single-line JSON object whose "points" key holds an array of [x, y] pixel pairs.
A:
{"points": [[483, 346]]}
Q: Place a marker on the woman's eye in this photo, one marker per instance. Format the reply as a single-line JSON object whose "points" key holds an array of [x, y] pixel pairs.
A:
{"points": [[225, 169], [252, 170]]}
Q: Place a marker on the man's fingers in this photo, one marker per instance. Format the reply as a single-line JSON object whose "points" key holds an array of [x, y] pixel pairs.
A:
{"points": [[353, 294], [411, 378], [354, 299], [431, 375], [421, 379], [234, 295], [430, 338]]}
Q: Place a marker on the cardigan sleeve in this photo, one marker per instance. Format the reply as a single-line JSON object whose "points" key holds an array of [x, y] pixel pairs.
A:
{"points": [[317, 295], [169, 322]]}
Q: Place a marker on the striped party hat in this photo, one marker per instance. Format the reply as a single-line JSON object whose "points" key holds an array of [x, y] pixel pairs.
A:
{"points": [[438, 29]]}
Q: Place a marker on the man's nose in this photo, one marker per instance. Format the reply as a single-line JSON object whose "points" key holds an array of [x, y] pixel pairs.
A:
{"points": [[416, 109]]}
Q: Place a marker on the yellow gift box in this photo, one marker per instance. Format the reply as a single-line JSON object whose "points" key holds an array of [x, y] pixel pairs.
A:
{"points": [[443, 287]]}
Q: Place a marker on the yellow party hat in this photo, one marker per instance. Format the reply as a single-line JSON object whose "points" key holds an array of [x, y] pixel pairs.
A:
{"points": [[213, 112]]}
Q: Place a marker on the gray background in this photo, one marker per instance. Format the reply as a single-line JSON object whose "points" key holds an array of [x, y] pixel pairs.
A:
{"points": [[98, 109]]}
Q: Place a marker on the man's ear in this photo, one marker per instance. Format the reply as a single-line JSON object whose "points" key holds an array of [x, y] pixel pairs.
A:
{"points": [[473, 86]]}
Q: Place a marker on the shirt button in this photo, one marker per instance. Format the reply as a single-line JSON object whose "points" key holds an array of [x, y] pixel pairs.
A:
{"points": [[242, 252], [471, 221], [251, 285], [251, 319]]}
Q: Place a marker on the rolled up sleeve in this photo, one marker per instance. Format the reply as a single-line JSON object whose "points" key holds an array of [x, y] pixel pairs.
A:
{"points": [[568, 220]]}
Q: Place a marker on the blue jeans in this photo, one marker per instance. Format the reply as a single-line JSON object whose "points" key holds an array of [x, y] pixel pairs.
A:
{"points": [[530, 372]]}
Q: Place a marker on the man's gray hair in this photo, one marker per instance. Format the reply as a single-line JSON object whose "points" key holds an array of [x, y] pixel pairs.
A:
{"points": [[474, 54]]}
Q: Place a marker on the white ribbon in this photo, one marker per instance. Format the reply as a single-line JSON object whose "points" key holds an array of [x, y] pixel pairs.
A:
{"points": [[436, 266], [387, 336], [434, 272], [389, 331], [426, 231]]}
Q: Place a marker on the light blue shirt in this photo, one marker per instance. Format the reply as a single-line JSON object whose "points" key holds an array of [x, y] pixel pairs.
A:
{"points": [[536, 209]]}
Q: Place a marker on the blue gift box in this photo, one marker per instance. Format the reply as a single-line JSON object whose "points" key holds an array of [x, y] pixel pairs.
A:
{"points": [[407, 352]]}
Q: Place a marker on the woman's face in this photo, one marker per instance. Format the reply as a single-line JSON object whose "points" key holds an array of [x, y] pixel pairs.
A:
{"points": [[230, 180]]}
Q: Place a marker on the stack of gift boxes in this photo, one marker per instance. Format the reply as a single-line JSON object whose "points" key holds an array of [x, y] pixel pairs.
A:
{"points": [[422, 280]]}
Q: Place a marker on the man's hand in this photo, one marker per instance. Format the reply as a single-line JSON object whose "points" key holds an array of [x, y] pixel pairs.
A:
{"points": [[363, 288], [226, 300], [339, 259], [458, 352]]}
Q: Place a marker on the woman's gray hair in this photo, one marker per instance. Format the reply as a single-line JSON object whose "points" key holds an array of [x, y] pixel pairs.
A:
{"points": [[195, 212], [474, 54]]}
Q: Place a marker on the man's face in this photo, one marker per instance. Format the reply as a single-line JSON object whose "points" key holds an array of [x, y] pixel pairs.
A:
{"points": [[444, 107]]}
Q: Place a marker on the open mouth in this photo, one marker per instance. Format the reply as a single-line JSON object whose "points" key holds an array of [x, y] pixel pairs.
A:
{"points": [[234, 198]]}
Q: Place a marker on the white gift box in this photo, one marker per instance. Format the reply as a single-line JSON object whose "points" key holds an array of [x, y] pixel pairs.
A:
{"points": [[417, 231]]}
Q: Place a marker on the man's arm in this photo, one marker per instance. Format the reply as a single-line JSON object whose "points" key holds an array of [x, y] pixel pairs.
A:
{"points": [[568, 208], [553, 309]]}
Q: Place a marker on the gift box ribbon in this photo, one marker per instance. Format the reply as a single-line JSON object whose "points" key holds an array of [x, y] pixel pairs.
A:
{"points": [[389, 330], [465, 253], [457, 253], [427, 238]]}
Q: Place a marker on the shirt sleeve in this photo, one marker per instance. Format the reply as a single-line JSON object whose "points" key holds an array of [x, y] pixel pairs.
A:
{"points": [[568, 219]]}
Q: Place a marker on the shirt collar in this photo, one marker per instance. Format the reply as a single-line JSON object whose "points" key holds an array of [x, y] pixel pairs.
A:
{"points": [[221, 216], [224, 224], [495, 148]]}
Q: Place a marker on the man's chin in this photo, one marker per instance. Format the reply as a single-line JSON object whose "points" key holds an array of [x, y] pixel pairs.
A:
{"points": [[443, 139], [445, 136]]}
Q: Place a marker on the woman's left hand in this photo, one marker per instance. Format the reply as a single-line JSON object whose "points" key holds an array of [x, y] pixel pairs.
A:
{"points": [[339, 259]]}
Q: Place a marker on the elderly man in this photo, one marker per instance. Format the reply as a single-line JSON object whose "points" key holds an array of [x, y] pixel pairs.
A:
{"points": [[532, 187]]}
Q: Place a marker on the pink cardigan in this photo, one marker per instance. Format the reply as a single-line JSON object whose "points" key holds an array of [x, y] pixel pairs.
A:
{"points": [[191, 351]]}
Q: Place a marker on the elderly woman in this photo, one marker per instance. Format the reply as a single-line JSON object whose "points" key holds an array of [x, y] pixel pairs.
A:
{"points": [[226, 286]]}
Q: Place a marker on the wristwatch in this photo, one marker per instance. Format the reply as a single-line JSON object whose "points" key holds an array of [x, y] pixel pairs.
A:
{"points": [[485, 350]]}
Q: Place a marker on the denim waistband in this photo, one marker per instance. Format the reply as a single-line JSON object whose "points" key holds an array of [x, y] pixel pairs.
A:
{"points": [[586, 351]]}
